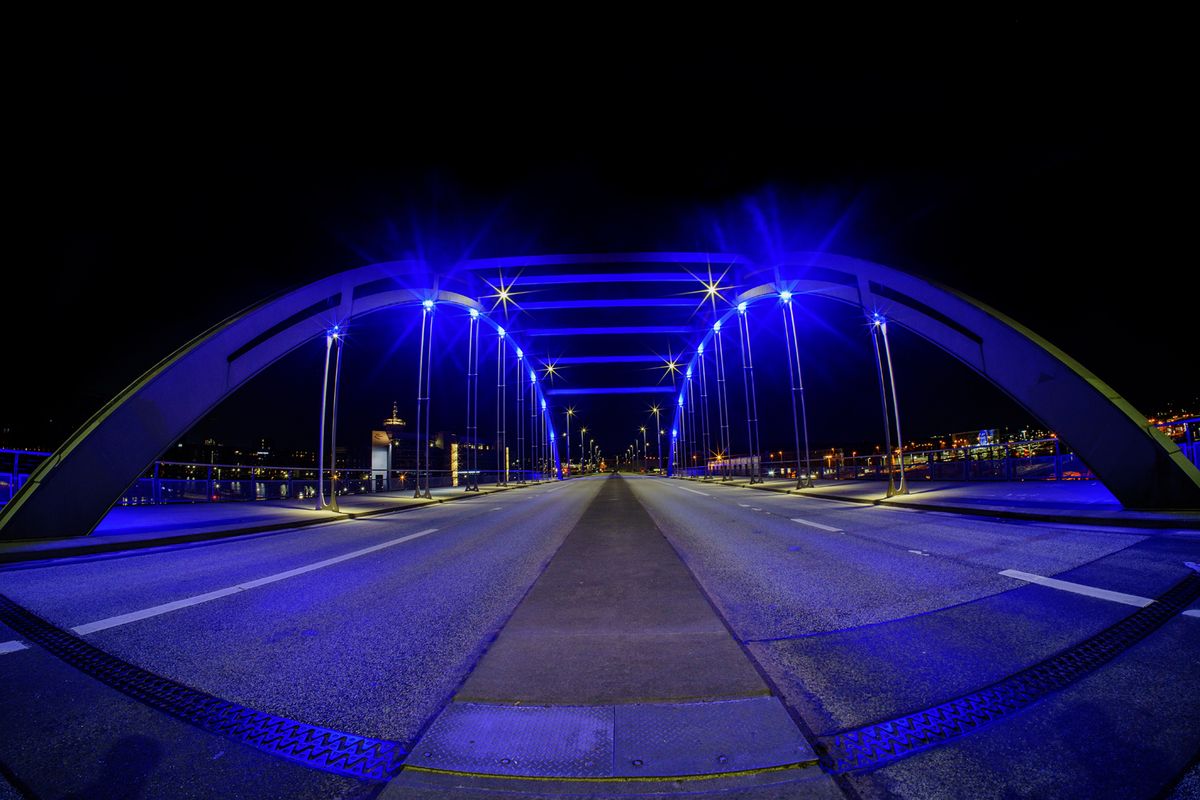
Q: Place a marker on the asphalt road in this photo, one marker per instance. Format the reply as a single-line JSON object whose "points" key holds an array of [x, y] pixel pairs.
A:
{"points": [[853, 614]]}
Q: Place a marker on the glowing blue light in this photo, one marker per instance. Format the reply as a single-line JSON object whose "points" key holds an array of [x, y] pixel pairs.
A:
{"points": [[742, 307], [427, 305], [501, 331], [474, 314], [543, 405], [674, 433], [520, 353], [785, 296], [878, 319], [532, 378], [681, 401], [700, 349], [689, 373]]}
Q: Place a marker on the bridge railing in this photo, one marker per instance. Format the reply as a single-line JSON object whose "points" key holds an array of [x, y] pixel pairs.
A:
{"points": [[15, 468], [1033, 460], [185, 482]]}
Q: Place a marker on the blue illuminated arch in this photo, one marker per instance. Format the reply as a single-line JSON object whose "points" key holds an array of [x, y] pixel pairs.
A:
{"points": [[1132, 458], [73, 489]]}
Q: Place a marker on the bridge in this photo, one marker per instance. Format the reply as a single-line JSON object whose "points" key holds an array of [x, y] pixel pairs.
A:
{"points": [[678, 612]]}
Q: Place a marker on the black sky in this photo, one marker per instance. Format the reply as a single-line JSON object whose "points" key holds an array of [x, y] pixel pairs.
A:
{"points": [[162, 187]]}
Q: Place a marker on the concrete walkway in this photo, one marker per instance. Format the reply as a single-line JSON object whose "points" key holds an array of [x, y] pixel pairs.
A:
{"points": [[1067, 502]]}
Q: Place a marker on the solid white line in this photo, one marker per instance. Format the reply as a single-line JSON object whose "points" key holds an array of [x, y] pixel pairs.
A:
{"points": [[918, 552], [744, 505], [154, 611], [1079, 588], [1191, 612], [693, 491], [12, 647], [817, 525]]}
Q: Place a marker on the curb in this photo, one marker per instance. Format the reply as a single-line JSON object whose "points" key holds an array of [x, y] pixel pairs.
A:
{"points": [[98, 546]]}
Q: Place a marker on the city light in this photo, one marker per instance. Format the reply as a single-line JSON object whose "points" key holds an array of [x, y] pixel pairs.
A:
{"points": [[501, 332], [520, 354], [474, 314], [427, 305], [717, 326], [785, 296], [741, 307]]}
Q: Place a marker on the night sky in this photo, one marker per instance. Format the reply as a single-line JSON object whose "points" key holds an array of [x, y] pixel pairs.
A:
{"points": [[164, 187]]}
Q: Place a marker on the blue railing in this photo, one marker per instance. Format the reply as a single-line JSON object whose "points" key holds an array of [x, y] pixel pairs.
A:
{"points": [[15, 468], [185, 482]]}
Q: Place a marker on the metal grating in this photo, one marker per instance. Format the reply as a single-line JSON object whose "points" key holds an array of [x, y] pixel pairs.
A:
{"points": [[874, 745], [310, 745]]}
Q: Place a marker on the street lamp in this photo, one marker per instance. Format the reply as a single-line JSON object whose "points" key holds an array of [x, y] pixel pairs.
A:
{"points": [[644, 454], [582, 455]]}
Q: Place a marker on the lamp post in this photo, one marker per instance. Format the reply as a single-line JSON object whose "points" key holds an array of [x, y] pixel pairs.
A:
{"points": [[755, 468], [332, 336], [501, 434], [582, 431], [878, 329], [722, 402], [472, 454], [797, 383], [655, 409], [520, 418], [567, 436], [707, 451], [645, 457]]}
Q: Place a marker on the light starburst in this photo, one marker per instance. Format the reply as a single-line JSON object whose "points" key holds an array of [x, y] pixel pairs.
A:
{"points": [[503, 293]]}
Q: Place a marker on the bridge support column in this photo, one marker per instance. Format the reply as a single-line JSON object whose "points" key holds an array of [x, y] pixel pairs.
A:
{"points": [[722, 403], [501, 412], [878, 331], [424, 381], [333, 349], [472, 443], [520, 418], [707, 453], [751, 396], [803, 478]]}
